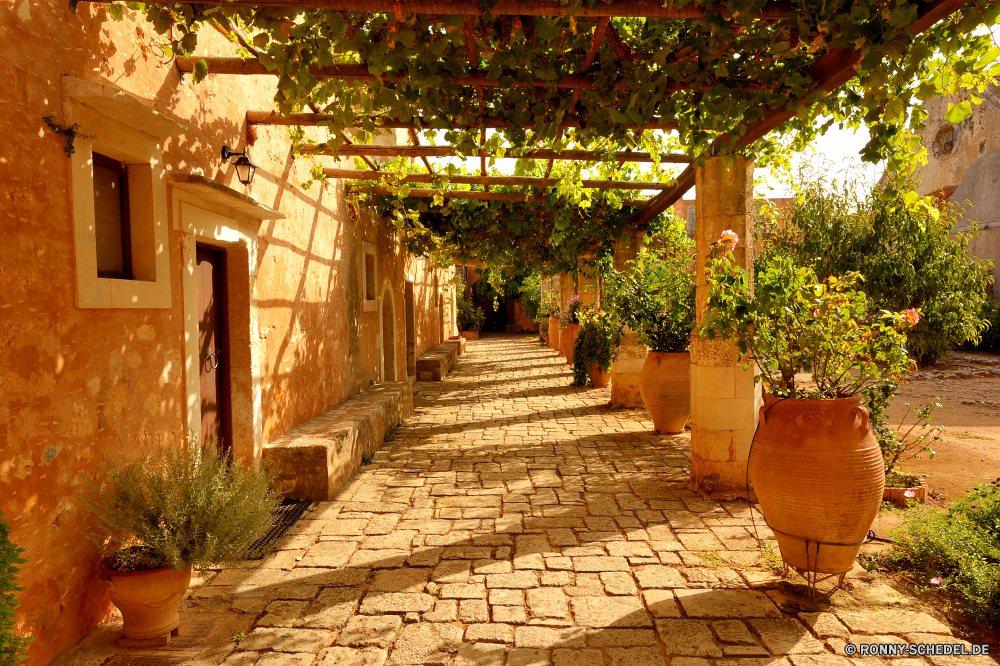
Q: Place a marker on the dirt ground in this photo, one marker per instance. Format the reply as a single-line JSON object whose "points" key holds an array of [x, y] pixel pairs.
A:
{"points": [[968, 387]]}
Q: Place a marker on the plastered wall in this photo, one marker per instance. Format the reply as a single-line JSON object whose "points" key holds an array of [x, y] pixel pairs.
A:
{"points": [[81, 386]]}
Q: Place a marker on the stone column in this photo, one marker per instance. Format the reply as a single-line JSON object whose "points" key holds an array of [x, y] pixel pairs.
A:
{"points": [[631, 355], [588, 286], [724, 399]]}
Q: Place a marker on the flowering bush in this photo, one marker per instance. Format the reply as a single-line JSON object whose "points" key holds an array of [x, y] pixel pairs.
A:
{"points": [[797, 323], [597, 341], [571, 315], [655, 295], [549, 305], [910, 257]]}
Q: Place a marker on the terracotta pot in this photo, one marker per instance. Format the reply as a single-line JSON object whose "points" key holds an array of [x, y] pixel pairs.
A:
{"points": [[148, 600], [898, 495], [817, 470], [554, 333], [543, 329], [470, 335], [567, 339], [598, 378], [665, 387]]}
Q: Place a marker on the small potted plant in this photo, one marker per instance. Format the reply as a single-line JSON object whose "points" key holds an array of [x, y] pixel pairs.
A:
{"points": [[596, 347], [815, 463], [173, 509], [569, 320], [902, 444], [470, 319], [655, 297], [549, 306]]}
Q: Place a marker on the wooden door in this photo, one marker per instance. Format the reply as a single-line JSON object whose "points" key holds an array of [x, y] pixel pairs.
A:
{"points": [[212, 350]]}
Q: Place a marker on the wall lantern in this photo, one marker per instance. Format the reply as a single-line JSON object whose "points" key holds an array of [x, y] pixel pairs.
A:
{"points": [[245, 169]]}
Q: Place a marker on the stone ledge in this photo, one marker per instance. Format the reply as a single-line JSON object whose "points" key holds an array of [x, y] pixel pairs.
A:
{"points": [[312, 460], [434, 364]]}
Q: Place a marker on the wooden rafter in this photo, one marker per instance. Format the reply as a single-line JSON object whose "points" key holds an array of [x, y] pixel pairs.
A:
{"points": [[595, 42], [313, 119], [831, 70], [480, 196], [353, 174], [449, 151], [416, 142], [476, 77], [772, 11]]}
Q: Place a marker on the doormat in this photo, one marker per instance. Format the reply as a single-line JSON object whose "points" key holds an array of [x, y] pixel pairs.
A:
{"points": [[285, 515], [149, 660]]}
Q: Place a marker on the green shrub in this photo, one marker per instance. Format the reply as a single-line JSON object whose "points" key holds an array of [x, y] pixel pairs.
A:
{"points": [[470, 317], [180, 507], [597, 340], [957, 551], [907, 257], [655, 294], [531, 296], [12, 646], [990, 341]]}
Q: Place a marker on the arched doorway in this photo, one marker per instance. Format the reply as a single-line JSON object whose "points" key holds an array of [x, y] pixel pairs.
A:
{"points": [[388, 335]]}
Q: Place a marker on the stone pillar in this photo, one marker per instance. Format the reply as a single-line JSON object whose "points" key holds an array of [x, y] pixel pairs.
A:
{"points": [[567, 289], [588, 286], [724, 399], [631, 355]]}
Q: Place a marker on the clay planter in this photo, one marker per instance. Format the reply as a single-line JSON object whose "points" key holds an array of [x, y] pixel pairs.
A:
{"points": [[898, 498], [817, 470], [665, 387], [554, 333], [597, 378], [470, 335], [567, 339], [148, 600], [543, 329]]}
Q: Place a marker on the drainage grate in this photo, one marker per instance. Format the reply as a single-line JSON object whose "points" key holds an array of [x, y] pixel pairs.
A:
{"points": [[289, 511], [149, 660]]}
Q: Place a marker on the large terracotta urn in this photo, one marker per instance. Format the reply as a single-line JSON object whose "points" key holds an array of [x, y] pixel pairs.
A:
{"points": [[817, 470], [567, 340], [554, 341], [665, 387], [598, 378], [148, 600]]}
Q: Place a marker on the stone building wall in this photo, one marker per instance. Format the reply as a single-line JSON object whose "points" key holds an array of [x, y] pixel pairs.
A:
{"points": [[92, 371], [963, 167]]}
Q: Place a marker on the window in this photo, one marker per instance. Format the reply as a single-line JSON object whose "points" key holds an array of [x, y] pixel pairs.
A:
{"points": [[369, 277], [945, 141], [111, 219], [119, 194]]}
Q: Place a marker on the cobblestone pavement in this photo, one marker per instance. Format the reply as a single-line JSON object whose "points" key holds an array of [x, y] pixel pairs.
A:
{"points": [[514, 520]]}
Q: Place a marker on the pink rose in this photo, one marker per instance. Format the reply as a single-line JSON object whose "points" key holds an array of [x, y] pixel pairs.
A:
{"points": [[936, 580], [909, 493], [816, 312], [912, 316], [729, 237]]}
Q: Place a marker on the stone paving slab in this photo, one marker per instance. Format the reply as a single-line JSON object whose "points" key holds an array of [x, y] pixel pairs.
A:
{"points": [[514, 520]]}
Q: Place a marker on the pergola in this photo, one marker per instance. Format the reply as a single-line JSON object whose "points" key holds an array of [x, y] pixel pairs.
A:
{"points": [[722, 75]]}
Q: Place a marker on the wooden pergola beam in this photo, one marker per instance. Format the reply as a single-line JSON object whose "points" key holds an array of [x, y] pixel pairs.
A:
{"points": [[449, 151], [352, 174], [832, 70], [479, 196], [314, 119], [476, 77], [772, 11]]}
